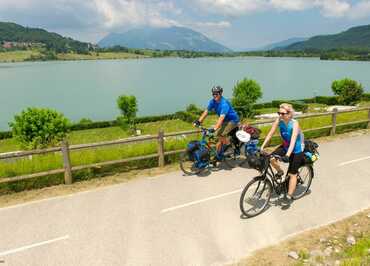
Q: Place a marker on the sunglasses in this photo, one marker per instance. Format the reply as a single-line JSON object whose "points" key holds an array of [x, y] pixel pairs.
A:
{"points": [[280, 113], [215, 94]]}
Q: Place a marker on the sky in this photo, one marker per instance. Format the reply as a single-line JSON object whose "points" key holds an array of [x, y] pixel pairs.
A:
{"points": [[238, 24]]}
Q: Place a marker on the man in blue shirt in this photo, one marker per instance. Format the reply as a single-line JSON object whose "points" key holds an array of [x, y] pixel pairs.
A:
{"points": [[228, 118]]}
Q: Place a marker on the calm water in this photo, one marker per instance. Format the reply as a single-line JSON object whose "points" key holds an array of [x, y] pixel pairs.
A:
{"points": [[90, 88]]}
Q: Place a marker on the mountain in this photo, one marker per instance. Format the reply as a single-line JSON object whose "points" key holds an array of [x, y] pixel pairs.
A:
{"points": [[12, 32], [354, 38], [283, 44], [173, 38]]}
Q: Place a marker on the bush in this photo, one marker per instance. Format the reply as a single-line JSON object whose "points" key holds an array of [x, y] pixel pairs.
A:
{"points": [[147, 119], [186, 116], [192, 108], [328, 100], [245, 94], [85, 121], [366, 97], [98, 124], [128, 107], [349, 91], [6, 135], [39, 127], [262, 105], [297, 105]]}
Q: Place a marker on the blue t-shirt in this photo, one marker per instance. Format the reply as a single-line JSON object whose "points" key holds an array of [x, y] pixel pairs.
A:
{"points": [[223, 107], [286, 132]]}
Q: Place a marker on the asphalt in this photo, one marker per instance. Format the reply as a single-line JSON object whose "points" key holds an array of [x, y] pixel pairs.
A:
{"points": [[174, 219]]}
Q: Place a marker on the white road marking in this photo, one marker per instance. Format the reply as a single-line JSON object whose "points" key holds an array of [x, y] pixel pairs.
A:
{"points": [[33, 245], [200, 201], [354, 161]]}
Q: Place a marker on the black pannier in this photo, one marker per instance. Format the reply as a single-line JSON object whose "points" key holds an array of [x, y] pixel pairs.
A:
{"points": [[310, 146]]}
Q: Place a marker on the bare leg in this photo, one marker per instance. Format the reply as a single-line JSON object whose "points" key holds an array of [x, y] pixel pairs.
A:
{"points": [[221, 141], [292, 184], [276, 165]]}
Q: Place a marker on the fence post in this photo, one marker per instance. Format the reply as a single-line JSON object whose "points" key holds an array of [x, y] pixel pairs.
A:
{"points": [[334, 121], [67, 163], [161, 148], [368, 118]]}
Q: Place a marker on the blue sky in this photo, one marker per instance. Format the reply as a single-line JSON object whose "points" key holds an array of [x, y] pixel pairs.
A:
{"points": [[238, 24]]}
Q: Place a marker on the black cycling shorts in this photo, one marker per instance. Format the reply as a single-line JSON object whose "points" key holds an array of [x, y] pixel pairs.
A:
{"points": [[296, 160]]}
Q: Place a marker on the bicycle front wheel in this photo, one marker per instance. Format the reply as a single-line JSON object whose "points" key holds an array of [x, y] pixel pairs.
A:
{"points": [[188, 166], [304, 180], [255, 196]]}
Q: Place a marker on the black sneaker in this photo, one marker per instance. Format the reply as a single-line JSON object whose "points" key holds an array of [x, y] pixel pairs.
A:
{"points": [[287, 201]]}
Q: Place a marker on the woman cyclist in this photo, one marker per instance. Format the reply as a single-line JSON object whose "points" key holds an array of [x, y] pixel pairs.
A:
{"points": [[292, 147]]}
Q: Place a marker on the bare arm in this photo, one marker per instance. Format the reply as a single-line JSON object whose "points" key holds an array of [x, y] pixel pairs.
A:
{"points": [[271, 133], [203, 116], [219, 122], [293, 139]]}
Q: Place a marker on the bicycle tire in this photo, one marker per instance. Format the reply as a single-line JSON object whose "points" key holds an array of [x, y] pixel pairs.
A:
{"points": [[229, 158], [188, 166], [257, 181], [304, 180]]}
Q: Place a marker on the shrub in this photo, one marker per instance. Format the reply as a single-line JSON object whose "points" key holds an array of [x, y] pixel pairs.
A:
{"points": [[192, 108], [297, 105], [186, 116], [39, 127], [245, 94], [366, 97], [349, 91], [128, 107], [328, 100]]}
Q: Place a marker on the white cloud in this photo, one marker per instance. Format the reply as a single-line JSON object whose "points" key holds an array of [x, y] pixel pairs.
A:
{"points": [[107, 14], [231, 7], [214, 25], [328, 8], [360, 10]]}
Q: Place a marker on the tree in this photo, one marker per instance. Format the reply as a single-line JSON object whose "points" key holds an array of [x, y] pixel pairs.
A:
{"points": [[245, 95], [348, 90], [192, 108], [128, 106], [39, 127]]}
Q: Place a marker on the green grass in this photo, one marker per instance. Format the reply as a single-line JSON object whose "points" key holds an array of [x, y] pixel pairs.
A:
{"points": [[17, 56], [96, 56], [358, 254], [40, 163]]}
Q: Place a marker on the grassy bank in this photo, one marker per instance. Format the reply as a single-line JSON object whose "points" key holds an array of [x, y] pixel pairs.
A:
{"points": [[327, 245], [99, 56], [17, 56], [40, 163]]}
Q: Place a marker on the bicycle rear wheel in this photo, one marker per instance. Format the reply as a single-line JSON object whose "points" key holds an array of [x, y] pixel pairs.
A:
{"points": [[304, 180], [188, 166], [255, 196], [230, 157]]}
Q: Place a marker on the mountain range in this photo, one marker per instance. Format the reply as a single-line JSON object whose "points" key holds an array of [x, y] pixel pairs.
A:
{"points": [[12, 32], [353, 38], [172, 38]]}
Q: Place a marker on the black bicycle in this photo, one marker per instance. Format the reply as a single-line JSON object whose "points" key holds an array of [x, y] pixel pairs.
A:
{"points": [[257, 193]]}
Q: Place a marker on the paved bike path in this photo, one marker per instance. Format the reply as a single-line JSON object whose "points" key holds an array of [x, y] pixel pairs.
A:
{"points": [[178, 220]]}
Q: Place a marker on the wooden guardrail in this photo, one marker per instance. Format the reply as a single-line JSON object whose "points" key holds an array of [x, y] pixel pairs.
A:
{"points": [[68, 169]]}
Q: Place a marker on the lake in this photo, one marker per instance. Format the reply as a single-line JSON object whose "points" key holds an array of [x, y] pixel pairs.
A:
{"points": [[89, 89]]}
